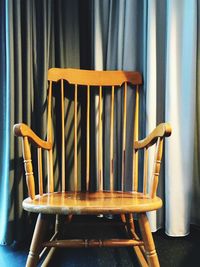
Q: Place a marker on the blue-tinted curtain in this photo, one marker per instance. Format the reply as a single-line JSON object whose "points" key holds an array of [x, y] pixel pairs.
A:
{"points": [[35, 35], [4, 119]]}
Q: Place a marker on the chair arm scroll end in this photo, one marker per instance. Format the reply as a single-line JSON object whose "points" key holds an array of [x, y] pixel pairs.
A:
{"points": [[18, 129], [168, 129], [162, 130], [22, 130]]}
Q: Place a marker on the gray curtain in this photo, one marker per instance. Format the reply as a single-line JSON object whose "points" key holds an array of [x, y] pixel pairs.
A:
{"points": [[42, 34], [132, 35], [195, 214], [160, 39], [117, 45]]}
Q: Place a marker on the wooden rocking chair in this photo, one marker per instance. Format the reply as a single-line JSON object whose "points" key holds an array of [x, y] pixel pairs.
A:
{"points": [[81, 201]]}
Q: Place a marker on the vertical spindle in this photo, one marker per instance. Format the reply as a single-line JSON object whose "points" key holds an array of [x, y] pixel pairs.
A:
{"points": [[75, 139], [100, 174], [145, 170], [28, 168], [124, 137], [88, 140], [63, 135], [49, 139], [157, 163], [111, 141], [136, 134], [40, 176]]}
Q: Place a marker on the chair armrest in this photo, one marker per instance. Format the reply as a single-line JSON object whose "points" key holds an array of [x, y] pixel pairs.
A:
{"points": [[162, 130], [23, 130]]}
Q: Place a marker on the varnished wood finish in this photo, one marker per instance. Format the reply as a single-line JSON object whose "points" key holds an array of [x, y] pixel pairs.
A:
{"points": [[145, 170], [23, 130], [136, 117], [123, 219], [124, 137], [112, 140], [36, 244], [140, 256], [88, 140], [131, 222], [135, 138], [40, 176], [92, 203], [46, 248], [139, 250], [28, 168], [99, 202], [157, 163], [48, 257], [75, 139], [85, 243], [63, 135], [50, 182], [150, 250], [94, 78], [162, 130], [100, 173]]}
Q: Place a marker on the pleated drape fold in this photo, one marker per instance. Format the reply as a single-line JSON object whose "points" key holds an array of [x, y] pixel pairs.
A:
{"points": [[160, 39], [36, 35]]}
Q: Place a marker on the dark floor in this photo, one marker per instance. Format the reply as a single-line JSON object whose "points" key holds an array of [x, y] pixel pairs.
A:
{"points": [[172, 252]]}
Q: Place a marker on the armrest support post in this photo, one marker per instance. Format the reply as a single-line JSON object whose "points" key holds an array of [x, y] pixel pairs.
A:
{"points": [[155, 137], [157, 164], [24, 131], [28, 167]]}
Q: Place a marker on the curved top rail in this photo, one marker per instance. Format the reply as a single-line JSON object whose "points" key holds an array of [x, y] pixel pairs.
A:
{"points": [[94, 77]]}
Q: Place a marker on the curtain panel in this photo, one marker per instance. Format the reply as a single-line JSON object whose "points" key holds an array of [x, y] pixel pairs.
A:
{"points": [[4, 118], [195, 215], [35, 35], [159, 38]]}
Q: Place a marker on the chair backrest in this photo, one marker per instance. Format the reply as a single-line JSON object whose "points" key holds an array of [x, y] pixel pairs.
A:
{"points": [[87, 81]]}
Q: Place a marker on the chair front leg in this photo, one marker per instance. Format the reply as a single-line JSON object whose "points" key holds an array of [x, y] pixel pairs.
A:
{"points": [[36, 243], [147, 237]]}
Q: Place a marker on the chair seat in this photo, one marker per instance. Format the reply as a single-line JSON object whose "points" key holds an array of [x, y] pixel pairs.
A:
{"points": [[92, 203]]}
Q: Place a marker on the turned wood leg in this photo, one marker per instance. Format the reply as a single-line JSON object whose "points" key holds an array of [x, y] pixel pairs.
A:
{"points": [[59, 224], [147, 237], [36, 243], [139, 250]]}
